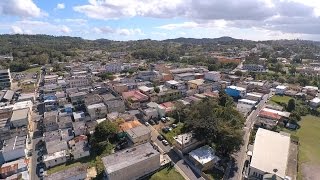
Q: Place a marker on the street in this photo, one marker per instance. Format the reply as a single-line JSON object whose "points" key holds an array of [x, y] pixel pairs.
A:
{"points": [[235, 171]]}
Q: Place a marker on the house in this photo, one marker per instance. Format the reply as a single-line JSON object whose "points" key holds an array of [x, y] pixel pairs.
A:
{"points": [[267, 119], [56, 145], [134, 98], [280, 90], [50, 79], [116, 105], [235, 91], [13, 167], [8, 96], [13, 148], [212, 76], [64, 122], [78, 81], [245, 109], [146, 90], [139, 135], [169, 95], [52, 136], [254, 67], [54, 159], [184, 77], [20, 117], [270, 154], [73, 173], [315, 102], [78, 116], [77, 99], [50, 121], [204, 157], [79, 128], [247, 101], [113, 67], [254, 96], [129, 125], [79, 147], [5, 79], [26, 97], [132, 163], [97, 111], [150, 113], [179, 85], [92, 99], [195, 84], [149, 75], [66, 134], [185, 143]]}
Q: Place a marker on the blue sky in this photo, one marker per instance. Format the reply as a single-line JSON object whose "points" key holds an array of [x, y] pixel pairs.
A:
{"points": [[163, 19]]}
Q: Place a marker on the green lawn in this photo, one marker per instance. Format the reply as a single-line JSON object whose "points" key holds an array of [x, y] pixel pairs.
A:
{"points": [[32, 70], [176, 131], [280, 99], [62, 167], [309, 139], [167, 173]]}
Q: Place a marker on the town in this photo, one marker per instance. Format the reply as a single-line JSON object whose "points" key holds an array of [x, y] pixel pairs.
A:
{"points": [[118, 119]]}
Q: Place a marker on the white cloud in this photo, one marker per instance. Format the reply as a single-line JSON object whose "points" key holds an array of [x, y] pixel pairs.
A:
{"points": [[21, 8], [65, 29], [60, 6], [119, 31], [16, 30]]}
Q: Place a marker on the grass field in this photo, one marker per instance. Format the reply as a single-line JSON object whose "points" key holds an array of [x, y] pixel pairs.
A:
{"points": [[176, 131], [280, 99], [167, 173], [309, 139], [32, 70]]}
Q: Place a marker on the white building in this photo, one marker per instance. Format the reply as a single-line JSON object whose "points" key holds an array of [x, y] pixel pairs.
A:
{"points": [[315, 102], [270, 154], [204, 157], [212, 76], [78, 81], [132, 163], [247, 101], [186, 142], [54, 159], [280, 90], [97, 111], [113, 68], [20, 117], [254, 96], [254, 67], [13, 148]]}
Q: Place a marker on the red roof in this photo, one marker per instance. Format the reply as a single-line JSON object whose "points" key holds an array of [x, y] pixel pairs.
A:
{"points": [[135, 96], [269, 115]]}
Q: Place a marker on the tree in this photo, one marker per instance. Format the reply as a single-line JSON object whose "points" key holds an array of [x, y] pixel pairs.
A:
{"points": [[291, 105], [238, 73], [297, 59], [156, 89], [224, 99], [105, 131], [278, 67], [292, 70]]}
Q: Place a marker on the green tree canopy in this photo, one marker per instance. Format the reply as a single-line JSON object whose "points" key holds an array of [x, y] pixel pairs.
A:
{"points": [[291, 105]]}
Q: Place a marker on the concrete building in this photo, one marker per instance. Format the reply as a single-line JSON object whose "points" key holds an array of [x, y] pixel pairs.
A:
{"points": [[315, 102], [97, 111], [79, 128], [113, 68], [116, 105], [184, 77], [50, 121], [134, 98], [280, 90], [50, 79], [78, 81], [247, 101], [254, 96], [195, 84], [20, 117], [54, 159], [204, 157], [5, 79], [270, 154], [79, 147], [169, 95], [56, 146], [186, 142], [139, 135], [212, 76], [235, 91], [254, 67], [13, 148], [132, 163], [13, 167]]}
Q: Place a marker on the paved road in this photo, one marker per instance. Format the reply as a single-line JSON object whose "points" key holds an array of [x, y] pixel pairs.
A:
{"points": [[240, 157]]}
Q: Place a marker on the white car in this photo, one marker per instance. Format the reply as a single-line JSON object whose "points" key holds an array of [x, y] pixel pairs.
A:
{"points": [[41, 172], [165, 142], [146, 123]]}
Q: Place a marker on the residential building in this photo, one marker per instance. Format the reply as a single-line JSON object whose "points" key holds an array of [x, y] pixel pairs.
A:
{"points": [[267, 119], [56, 145], [92, 99], [78, 81], [139, 135], [254, 67], [280, 90], [247, 101], [148, 75], [185, 143], [204, 157], [73, 173], [270, 154], [20, 117], [64, 122], [132, 163], [79, 147], [134, 98], [113, 67], [195, 84], [97, 111], [179, 85], [50, 79], [54, 159], [50, 121], [116, 105], [169, 95], [235, 91], [184, 77], [77, 99], [26, 97], [254, 96], [13, 148], [212, 76], [79, 128], [13, 167]]}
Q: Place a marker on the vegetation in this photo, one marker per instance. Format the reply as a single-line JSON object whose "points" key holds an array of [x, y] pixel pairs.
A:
{"points": [[167, 173], [291, 105], [105, 76], [176, 131], [214, 174]]}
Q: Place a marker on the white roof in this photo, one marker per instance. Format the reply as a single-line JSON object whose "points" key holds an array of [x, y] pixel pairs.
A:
{"points": [[55, 155], [281, 113], [315, 100], [172, 82], [237, 88], [270, 152], [144, 88], [94, 106], [255, 94], [281, 87], [204, 155], [311, 88], [247, 101]]}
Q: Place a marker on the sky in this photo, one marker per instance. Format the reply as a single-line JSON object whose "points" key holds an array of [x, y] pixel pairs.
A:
{"points": [[163, 19]]}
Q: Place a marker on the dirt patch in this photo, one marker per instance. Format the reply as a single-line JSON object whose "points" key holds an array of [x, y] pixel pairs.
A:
{"points": [[310, 171], [91, 173]]}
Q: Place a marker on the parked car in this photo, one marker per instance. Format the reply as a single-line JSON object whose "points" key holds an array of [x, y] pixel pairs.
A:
{"points": [[165, 129], [146, 123], [40, 159], [156, 121], [41, 172], [152, 122], [163, 119], [165, 142], [160, 137], [174, 125]]}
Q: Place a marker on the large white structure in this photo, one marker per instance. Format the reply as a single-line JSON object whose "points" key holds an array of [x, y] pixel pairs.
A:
{"points": [[204, 157], [20, 117], [13, 148], [280, 90], [132, 163], [270, 154], [55, 159]]}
